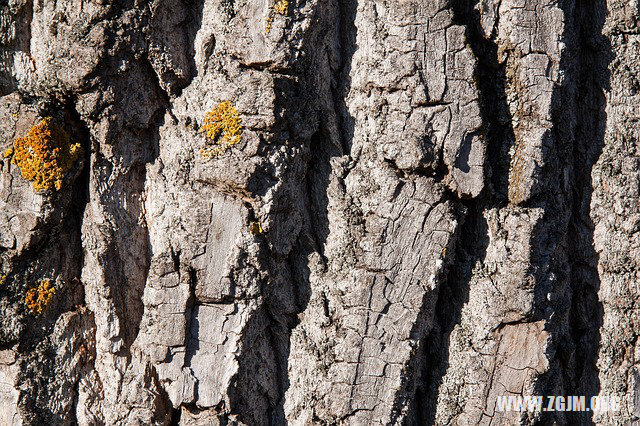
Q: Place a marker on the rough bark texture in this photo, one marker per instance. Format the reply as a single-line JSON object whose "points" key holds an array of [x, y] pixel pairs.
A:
{"points": [[434, 203]]}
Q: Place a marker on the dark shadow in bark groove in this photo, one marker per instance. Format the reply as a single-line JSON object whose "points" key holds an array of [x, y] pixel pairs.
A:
{"points": [[453, 295], [578, 310], [594, 80], [311, 92], [13, 40], [193, 10], [490, 77]]}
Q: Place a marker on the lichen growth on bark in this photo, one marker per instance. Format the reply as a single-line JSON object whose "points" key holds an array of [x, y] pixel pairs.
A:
{"points": [[38, 298], [282, 7], [45, 155], [255, 228], [222, 128]]}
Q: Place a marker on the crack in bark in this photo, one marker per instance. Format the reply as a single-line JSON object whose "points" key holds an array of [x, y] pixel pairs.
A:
{"points": [[578, 353], [490, 76]]}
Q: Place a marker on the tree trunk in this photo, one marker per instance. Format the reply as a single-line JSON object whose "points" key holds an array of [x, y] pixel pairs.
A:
{"points": [[432, 204]]}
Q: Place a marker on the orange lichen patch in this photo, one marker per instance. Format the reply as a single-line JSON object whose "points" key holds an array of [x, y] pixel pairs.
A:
{"points": [[282, 7], [44, 155], [8, 153], [223, 128], [39, 298]]}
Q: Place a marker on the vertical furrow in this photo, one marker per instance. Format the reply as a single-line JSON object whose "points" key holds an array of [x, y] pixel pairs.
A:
{"points": [[512, 288], [385, 183]]}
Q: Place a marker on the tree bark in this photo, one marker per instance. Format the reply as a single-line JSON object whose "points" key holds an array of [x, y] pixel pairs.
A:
{"points": [[433, 204]]}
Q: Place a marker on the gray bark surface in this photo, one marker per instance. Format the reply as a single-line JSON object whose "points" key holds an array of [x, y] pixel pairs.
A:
{"points": [[433, 203]]}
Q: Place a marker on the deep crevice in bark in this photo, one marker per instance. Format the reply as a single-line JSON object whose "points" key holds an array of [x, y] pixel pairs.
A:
{"points": [[127, 288], [585, 317], [563, 258], [453, 294], [277, 320], [315, 228], [491, 81], [490, 77]]}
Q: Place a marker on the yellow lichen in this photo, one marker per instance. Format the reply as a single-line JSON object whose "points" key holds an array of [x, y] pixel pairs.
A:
{"points": [[8, 153], [223, 129], [269, 22], [2, 279], [282, 7], [45, 154], [255, 227], [39, 298]]}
